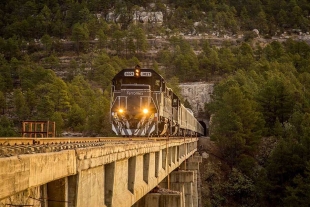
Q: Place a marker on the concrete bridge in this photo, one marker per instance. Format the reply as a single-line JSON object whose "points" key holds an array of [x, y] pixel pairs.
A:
{"points": [[118, 174]]}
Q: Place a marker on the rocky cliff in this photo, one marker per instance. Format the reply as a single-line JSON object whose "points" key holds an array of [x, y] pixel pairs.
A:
{"points": [[197, 94]]}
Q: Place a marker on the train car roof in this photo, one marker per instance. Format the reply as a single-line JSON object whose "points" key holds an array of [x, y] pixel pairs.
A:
{"points": [[145, 73]]}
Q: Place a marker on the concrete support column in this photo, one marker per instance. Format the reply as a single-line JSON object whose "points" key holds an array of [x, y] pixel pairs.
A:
{"points": [[161, 200], [57, 193], [90, 188], [44, 201], [182, 181], [72, 190], [192, 164]]}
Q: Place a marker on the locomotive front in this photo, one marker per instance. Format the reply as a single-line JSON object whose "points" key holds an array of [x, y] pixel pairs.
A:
{"points": [[133, 110]]}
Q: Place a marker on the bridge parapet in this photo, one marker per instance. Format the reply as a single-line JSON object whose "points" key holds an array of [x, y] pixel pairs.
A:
{"points": [[116, 174]]}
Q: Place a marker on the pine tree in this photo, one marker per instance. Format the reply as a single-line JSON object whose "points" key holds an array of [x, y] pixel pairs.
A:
{"points": [[236, 125]]}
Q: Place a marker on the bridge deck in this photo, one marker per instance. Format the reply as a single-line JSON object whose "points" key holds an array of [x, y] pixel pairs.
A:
{"points": [[99, 171], [18, 145]]}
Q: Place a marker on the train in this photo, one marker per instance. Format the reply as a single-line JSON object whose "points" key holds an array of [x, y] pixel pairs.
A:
{"points": [[143, 105]]}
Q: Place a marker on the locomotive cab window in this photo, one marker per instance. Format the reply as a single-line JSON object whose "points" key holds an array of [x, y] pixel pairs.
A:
{"points": [[175, 102], [157, 85]]}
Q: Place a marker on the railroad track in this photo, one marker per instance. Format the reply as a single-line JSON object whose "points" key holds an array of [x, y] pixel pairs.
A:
{"points": [[29, 141], [17, 146]]}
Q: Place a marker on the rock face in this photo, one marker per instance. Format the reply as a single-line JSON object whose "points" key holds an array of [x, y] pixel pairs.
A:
{"points": [[142, 17], [149, 17], [197, 94]]}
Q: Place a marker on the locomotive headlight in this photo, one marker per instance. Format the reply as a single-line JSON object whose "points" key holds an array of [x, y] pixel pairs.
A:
{"points": [[137, 72], [145, 111], [121, 111]]}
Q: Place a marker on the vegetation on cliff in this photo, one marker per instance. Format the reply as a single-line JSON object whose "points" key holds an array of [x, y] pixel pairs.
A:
{"points": [[261, 117]]}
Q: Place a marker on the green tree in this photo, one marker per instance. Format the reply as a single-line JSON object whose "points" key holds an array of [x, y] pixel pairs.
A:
{"points": [[52, 61], [212, 63], [245, 19], [45, 18], [299, 195], [58, 26], [236, 125], [295, 16], [12, 48], [240, 187], [227, 60], [285, 163], [282, 17], [76, 118], [84, 15], [276, 102], [45, 108], [93, 26], [57, 91], [21, 109], [80, 34], [103, 39], [7, 127], [140, 39], [262, 22], [98, 116], [31, 101], [117, 41], [73, 69], [47, 42], [57, 117], [2, 103], [6, 82]]}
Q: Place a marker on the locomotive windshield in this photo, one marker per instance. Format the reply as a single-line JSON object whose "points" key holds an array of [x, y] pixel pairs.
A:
{"points": [[135, 86]]}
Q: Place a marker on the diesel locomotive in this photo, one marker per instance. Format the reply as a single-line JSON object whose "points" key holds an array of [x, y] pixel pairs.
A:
{"points": [[143, 105]]}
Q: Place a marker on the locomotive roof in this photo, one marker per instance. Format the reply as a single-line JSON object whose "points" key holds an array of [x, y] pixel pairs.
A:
{"points": [[150, 73]]}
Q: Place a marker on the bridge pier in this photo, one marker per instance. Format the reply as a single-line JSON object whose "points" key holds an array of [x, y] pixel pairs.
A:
{"points": [[56, 193], [161, 200], [192, 164], [90, 189], [179, 190]]}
